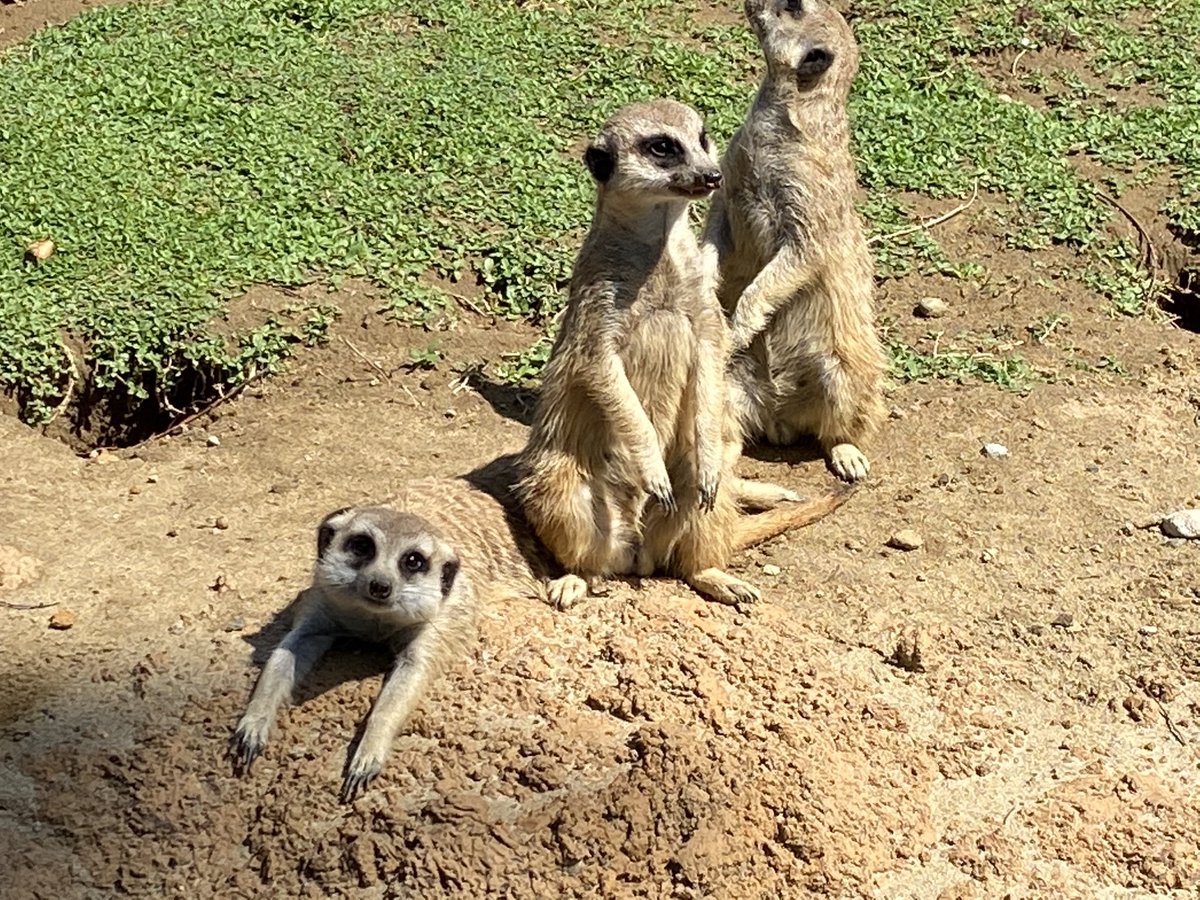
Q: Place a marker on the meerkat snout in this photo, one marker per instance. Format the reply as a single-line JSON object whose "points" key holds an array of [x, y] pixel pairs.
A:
{"points": [[379, 589]]}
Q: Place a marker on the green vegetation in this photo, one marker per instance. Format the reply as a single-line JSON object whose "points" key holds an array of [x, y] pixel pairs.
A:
{"points": [[182, 151]]}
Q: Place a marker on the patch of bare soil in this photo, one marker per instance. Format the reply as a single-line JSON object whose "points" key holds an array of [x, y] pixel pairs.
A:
{"points": [[1013, 709]]}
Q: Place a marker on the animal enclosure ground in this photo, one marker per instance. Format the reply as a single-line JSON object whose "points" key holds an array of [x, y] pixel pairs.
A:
{"points": [[1013, 708]]}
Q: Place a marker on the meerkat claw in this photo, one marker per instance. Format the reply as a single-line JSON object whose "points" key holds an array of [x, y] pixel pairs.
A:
{"points": [[708, 495]]}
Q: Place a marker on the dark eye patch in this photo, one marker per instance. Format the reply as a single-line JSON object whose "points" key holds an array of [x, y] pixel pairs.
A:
{"points": [[414, 562], [704, 139], [662, 147], [795, 7], [360, 546]]}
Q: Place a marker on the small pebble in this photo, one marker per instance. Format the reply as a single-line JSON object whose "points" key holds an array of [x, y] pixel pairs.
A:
{"points": [[235, 624], [135, 489], [906, 539], [988, 554], [213, 441], [450, 413], [152, 478], [995, 451], [62, 619], [40, 251], [221, 524], [1063, 620], [1148, 630], [771, 569], [931, 308], [897, 413], [1182, 524]]}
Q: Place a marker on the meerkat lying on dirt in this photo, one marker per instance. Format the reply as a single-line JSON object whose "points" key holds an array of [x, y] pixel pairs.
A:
{"points": [[409, 575], [795, 270], [633, 402]]}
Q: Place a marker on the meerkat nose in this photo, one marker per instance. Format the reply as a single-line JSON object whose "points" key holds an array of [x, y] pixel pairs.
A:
{"points": [[379, 589], [712, 179]]}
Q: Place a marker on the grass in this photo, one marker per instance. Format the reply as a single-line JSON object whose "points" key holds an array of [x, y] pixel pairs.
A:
{"points": [[180, 152]]}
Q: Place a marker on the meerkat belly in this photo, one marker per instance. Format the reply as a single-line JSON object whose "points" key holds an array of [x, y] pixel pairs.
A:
{"points": [[658, 356]]}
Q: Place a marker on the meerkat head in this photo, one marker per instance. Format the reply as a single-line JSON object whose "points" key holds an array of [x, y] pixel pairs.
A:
{"points": [[387, 560], [654, 151], [806, 42]]}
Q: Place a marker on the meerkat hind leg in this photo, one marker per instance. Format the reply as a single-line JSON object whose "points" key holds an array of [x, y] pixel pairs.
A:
{"points": [[719, 585]]}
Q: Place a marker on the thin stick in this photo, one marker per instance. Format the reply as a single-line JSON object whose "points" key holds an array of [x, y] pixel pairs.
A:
{"points": [[8, 605], [1151, 260], [471, 305], [929, 223], [370, 362], [204, 410], [1170, 725], [1017, 59], [70, 391]]}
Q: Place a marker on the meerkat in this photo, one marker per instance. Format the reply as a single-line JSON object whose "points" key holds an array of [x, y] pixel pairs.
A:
{"points": [[796, 275], [409, 575], [627, 452]]}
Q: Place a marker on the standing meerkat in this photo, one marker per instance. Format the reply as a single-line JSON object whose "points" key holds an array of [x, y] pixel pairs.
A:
{"points": [[796, 273], [627, 453], [409, 575]]}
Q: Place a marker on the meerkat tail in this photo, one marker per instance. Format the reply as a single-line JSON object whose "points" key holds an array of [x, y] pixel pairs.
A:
{"points": [[757, 528]]}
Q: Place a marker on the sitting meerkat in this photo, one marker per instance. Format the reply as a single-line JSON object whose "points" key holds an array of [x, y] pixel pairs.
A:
{"points": [[627, 465], [409, 575], [795, 270]]}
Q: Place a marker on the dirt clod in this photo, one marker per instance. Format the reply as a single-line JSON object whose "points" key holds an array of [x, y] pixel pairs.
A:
{"points": [[906, 539], [62, 619]]}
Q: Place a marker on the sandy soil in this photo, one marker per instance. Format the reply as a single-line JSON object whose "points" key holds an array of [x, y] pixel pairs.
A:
{"points": [[1044, 742]]}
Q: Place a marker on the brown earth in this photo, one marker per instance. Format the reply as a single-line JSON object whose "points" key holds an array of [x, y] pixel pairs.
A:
{"points": [[1011, 710]]}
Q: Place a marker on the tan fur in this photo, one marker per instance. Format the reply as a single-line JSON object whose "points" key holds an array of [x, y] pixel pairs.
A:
{"points": [[475, 549], [796, 272], [628, 451]]}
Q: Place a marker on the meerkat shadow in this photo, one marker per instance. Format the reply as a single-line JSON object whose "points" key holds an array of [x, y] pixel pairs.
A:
{"points": [[511, 401], [348, 659], [806, 449], [267, 638]]}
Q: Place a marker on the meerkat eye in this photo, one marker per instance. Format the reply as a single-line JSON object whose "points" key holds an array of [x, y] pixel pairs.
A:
{"points": [[360, 545], [414, 562], [662, 147], [795, 7]]}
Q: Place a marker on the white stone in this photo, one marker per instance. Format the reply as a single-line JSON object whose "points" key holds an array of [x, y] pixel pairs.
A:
{"points": [[771, 569], [1182, 524], [995, 451]]}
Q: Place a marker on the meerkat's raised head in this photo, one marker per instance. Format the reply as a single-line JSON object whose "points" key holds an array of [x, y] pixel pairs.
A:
{"points": [[384, 561], [807, 44], [653, 152]]}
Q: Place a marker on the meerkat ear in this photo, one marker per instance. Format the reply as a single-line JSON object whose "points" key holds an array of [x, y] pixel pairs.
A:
{"points": [[326, 530], [600, 162], [449, 573]]}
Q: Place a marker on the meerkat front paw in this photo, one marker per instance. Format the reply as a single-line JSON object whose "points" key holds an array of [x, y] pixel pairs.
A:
{"points": [[709, 485], [657, 483], [363, 769], [248, 741], [848, 462], [565, 592]]}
